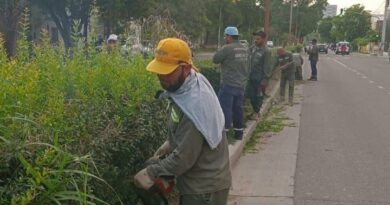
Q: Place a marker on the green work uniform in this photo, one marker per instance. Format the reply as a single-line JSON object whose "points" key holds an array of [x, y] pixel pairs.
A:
{"points": [[287, 75], [200, 170], [233, 58], [298, 61], [260, 69]]}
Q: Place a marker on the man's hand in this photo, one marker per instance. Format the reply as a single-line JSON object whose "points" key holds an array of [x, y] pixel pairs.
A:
{"points": [[163, 150], [142, 180], [283, 67]]}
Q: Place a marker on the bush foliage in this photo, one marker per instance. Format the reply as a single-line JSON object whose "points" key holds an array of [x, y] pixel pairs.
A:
{"points": [[74, 128]]}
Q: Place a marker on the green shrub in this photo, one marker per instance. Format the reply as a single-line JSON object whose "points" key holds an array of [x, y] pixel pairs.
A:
{"points": [[211, 71], [75, 128]]}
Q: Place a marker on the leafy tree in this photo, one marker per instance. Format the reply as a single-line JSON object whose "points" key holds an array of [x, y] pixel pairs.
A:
{"points": [[115, 13], [325, 28], [310, 12], [306, 15], [338, 28], [190, 15], [245, 14], [64, 13], [356, 22]]}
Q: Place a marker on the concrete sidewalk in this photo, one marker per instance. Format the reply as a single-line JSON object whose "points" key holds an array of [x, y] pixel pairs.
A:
{"points": [[267, 177]]}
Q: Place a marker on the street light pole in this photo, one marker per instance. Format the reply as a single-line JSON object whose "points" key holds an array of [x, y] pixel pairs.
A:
{"points": [[384, 24]]}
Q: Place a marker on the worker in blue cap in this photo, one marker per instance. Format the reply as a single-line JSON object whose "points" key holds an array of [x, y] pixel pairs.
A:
{"points": [[233, 58]]}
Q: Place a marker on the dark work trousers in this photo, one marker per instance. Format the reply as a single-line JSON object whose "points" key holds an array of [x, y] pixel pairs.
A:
{"points": [[313, 65], [287, 76], [232, 100], [298, 73], [255, 94], [216, 198]]}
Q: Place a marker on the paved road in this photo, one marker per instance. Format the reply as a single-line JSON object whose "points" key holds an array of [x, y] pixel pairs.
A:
{"points": [[344, 142]]}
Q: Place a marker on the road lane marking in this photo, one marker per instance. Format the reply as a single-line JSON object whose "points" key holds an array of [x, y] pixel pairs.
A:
{"points": [[372, 81], [364, 77], [345, 66], [380, 87]]}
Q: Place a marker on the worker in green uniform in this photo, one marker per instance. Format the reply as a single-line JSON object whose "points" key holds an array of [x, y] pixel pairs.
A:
{"points": [[298, 61], [233, 58], [196, 149], [286, 64], [260, 71]]}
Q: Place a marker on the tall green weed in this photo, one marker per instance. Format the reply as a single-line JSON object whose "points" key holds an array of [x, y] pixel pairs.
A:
{"points": [[75, 127]]}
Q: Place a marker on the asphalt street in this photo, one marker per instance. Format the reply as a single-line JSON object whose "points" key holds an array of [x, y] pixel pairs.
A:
{"points": [[339, 152], [344, 135]]}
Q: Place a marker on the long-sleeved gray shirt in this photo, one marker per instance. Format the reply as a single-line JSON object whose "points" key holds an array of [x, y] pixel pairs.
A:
{"points": [[199, 169], [233, 58], [287, 58], [313, 53], [260, 63]]}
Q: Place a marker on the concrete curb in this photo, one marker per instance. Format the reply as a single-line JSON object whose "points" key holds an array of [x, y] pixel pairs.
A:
{"points": [[236, 148]]}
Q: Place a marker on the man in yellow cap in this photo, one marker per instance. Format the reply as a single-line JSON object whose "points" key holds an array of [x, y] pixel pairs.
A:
{"points": [[196, 151]]}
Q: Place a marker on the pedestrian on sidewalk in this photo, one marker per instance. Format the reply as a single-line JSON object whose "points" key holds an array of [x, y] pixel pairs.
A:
{"points": [[260, 71], [298, 62], [196, 151], [286, 64], [313, 58], [233, 58]]}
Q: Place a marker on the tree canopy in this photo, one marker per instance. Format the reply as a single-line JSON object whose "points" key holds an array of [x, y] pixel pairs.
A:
{"points": [[354, 23], [200, 20]]}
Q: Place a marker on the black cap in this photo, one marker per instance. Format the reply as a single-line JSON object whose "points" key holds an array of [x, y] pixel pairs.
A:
{"points": [[260, 33]]}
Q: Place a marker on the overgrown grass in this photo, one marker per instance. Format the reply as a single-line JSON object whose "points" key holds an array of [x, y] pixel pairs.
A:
{"points": [[273, 122], [75, 127]]}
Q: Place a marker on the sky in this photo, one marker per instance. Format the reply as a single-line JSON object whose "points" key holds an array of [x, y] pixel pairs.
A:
{"points": [[376, 6]]}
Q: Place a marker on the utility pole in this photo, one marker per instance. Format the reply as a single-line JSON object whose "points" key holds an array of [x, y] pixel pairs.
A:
{"points": [[296, 23], [290, 26], [384, 24], [267, 12]]}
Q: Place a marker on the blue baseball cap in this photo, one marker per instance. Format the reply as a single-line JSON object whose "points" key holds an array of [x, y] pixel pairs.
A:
{"points": [[231, 31]]}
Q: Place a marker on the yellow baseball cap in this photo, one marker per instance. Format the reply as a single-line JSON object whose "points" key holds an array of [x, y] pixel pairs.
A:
{"points": [[169, 54]]}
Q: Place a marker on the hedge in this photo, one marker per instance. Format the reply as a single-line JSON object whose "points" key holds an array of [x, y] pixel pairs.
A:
{"points": [[74, 128]]}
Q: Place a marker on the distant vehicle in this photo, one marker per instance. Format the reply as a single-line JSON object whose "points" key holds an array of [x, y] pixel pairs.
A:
{"points": [[270, 44], [244, 43], [343, 47], [322, 48], [132, 47]]}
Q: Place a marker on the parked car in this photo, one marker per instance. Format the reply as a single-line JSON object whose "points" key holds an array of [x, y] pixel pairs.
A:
{"points": [[343, 45], [322, 48]]}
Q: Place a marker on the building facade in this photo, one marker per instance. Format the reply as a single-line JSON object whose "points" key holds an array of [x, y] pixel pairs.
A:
{"points": [[330, 11]]}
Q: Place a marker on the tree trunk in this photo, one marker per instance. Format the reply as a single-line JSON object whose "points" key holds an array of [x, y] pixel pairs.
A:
{"points": [[64, 26], [10, 18], [11, 37], [267, 13]]}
